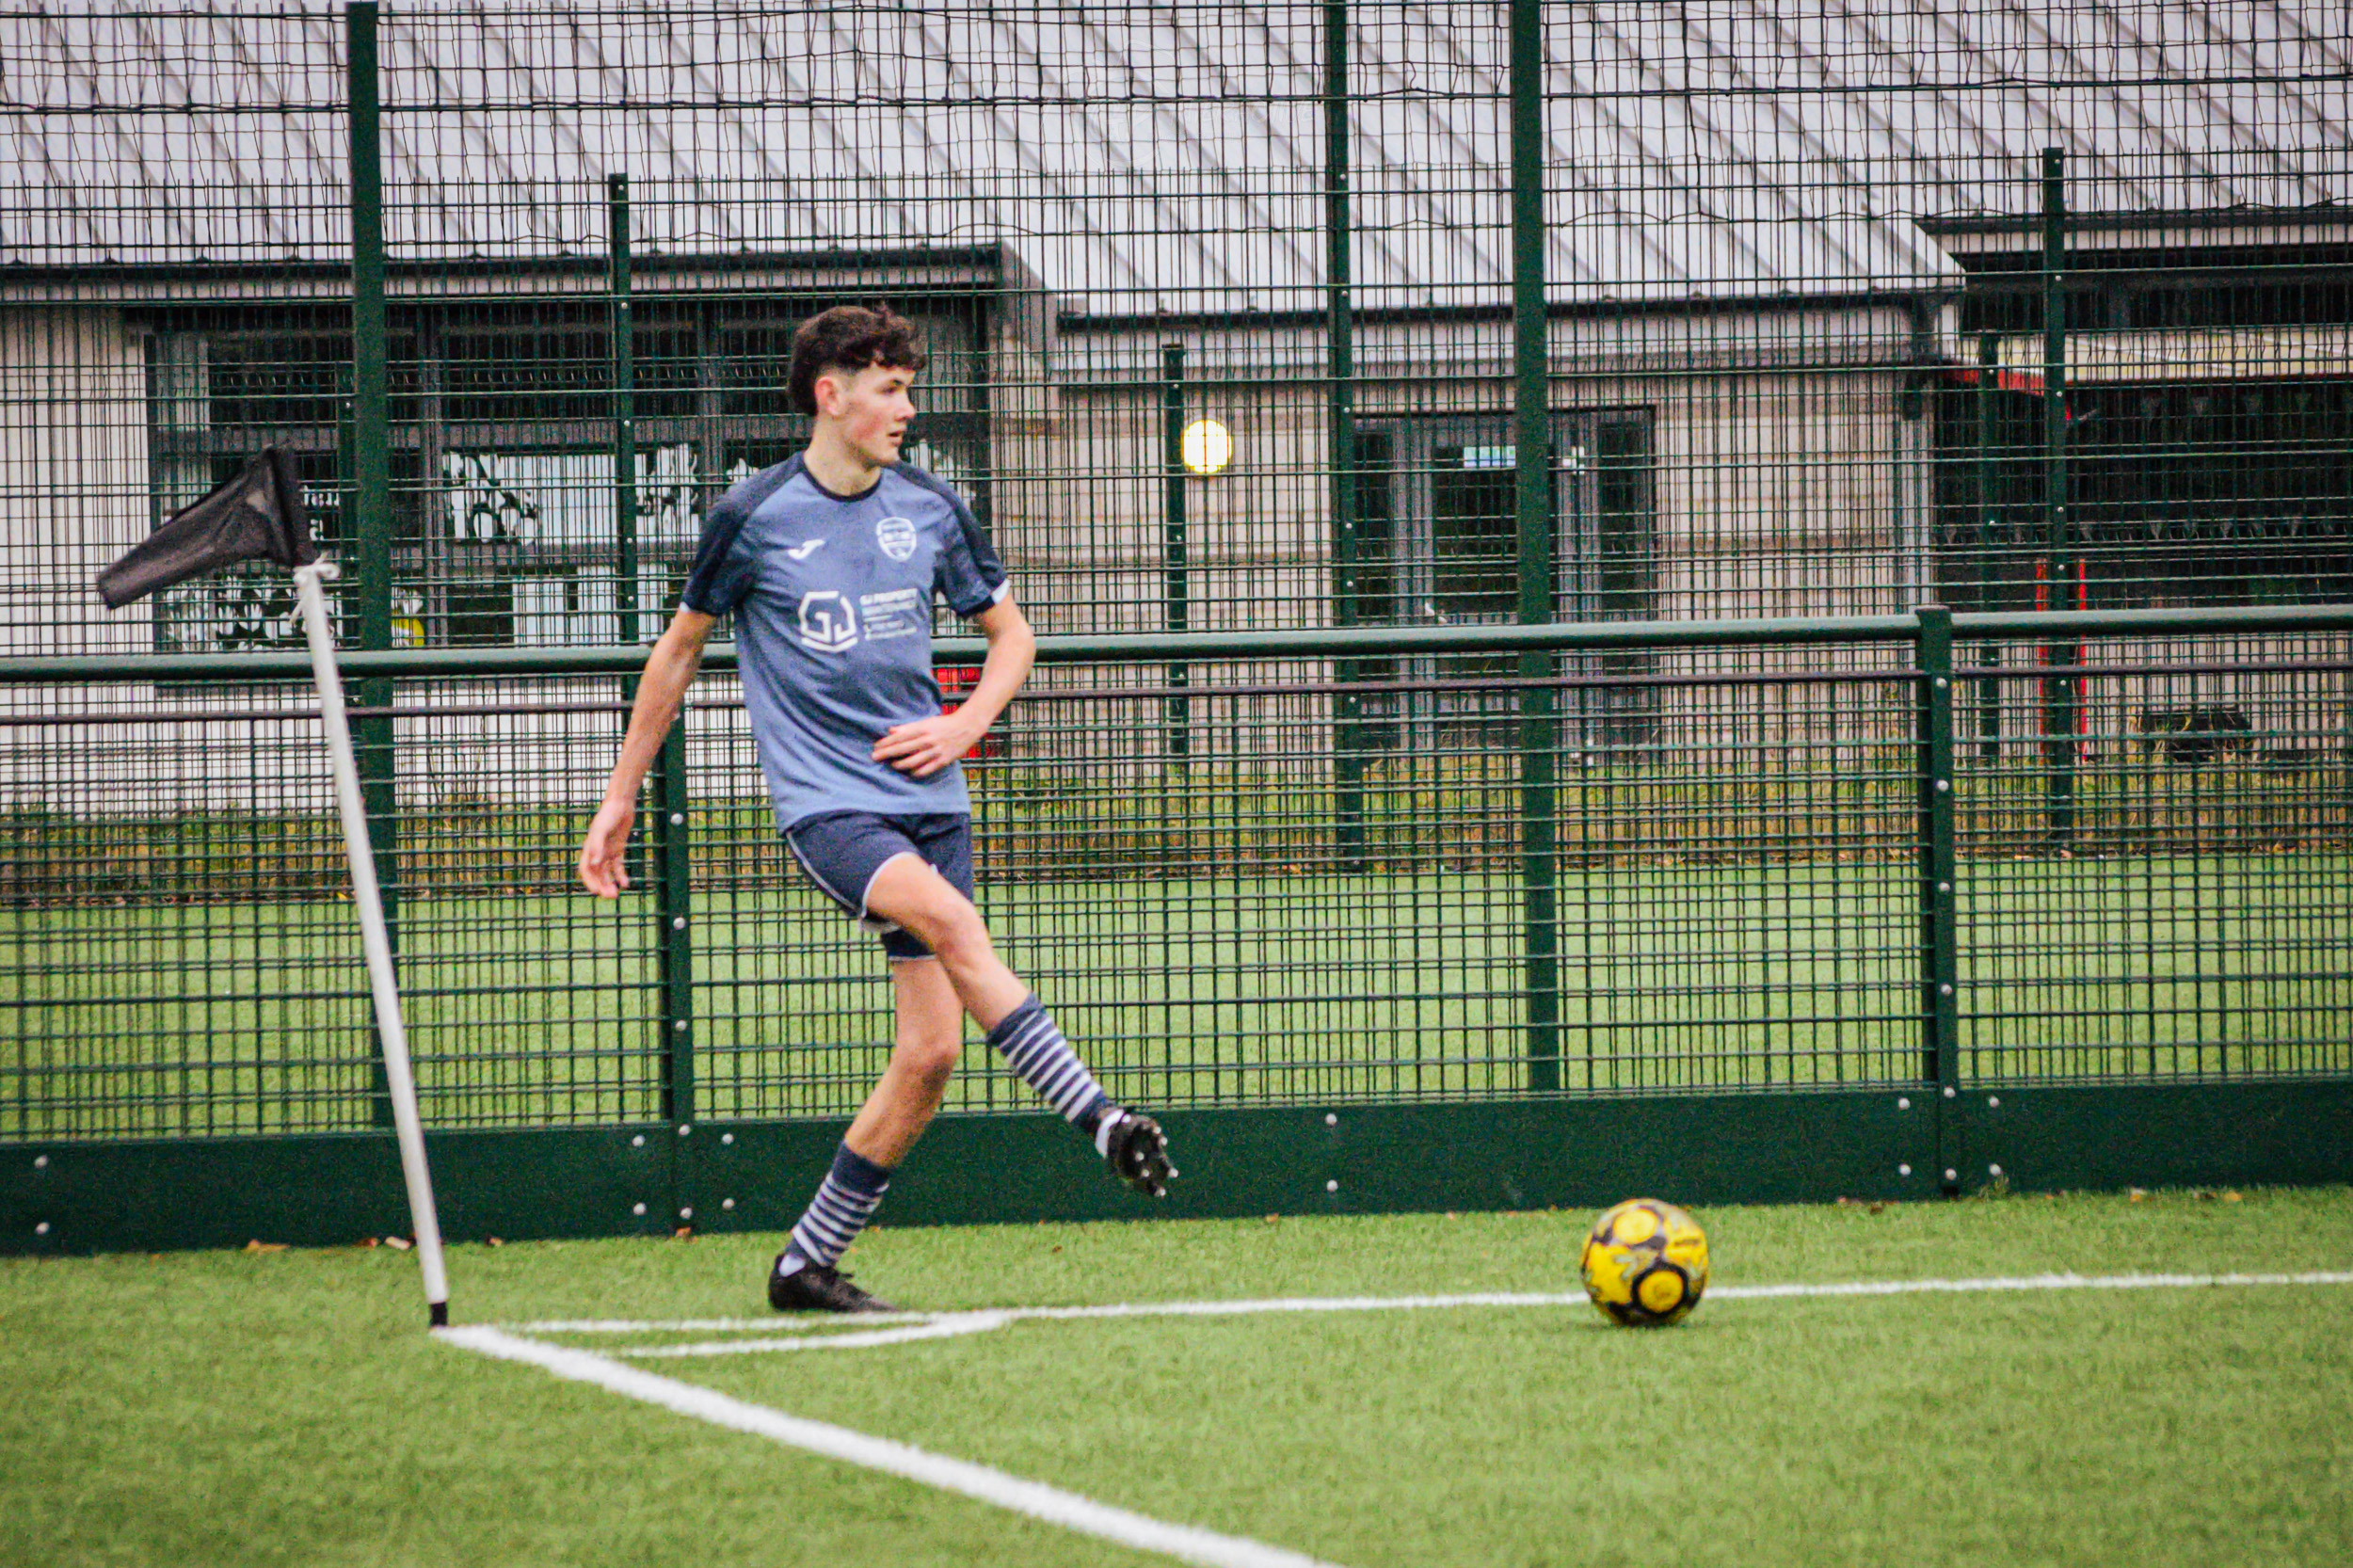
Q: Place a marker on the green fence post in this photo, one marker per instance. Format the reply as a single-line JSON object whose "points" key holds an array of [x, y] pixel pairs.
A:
{"points": [[1939, 956], [370, 523], [1176, 589], [1532, 419], [625, 595], [372, 533], [672, 900], [624, 357], [2059, 692], [1989, 530], [1349, 739]]}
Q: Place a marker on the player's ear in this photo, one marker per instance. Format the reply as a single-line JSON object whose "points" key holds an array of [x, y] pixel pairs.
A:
{"points": [[827, 392]]}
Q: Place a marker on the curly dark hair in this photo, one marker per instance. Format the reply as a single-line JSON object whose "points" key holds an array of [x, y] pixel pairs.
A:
{"points": [[849, 337]]}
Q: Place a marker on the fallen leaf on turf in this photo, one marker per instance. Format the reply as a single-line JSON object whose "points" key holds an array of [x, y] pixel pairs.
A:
{"points": [[398, 1243], [684, 1233], [2231, 1198], [366, 1242], [493, 1241], [265, 1246], [1879, 1208], [2137, 1194], [1273, 1219]]}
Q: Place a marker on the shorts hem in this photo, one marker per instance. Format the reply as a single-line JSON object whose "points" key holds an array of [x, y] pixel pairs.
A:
{"points": [[865, 895]]}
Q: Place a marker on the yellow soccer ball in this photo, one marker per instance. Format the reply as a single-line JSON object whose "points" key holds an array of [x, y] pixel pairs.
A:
{"points": [[1645, 1264]]}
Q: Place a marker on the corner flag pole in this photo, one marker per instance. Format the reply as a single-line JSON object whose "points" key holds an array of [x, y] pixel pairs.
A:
{"points": [[398, 1078], [259, 516]]}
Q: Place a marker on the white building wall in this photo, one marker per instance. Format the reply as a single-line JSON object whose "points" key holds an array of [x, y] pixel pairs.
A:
{"points": [[74, 476]]}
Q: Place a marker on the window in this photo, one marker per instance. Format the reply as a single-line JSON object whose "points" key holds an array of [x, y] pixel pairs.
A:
{"points": [[504, 517], [2189, 493]]}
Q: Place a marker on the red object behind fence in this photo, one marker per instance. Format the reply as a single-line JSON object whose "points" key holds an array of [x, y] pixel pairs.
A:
{"points": [[955, 683]]}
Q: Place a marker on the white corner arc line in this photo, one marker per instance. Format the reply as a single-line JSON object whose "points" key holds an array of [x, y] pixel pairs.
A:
{"points": [[946, 1326], [978, 1481], [997, 1316]]}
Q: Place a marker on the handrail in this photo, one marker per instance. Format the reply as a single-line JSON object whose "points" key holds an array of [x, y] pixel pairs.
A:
{"points": [[1353, 642]]}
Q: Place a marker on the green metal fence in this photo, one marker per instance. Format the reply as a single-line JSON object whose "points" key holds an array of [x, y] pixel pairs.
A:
{"points": [[2026, 305], [1823, 931], [1422, 392]]}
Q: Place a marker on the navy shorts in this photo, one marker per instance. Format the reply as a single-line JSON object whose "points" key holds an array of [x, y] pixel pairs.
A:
{"points": [[840, 851]]}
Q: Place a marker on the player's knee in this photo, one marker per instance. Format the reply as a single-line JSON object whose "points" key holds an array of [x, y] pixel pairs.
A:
{"points": [[931, 1059], [952, 928]]}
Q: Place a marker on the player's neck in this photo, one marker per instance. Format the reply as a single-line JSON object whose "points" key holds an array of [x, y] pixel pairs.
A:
{"points": [[837, 465]]}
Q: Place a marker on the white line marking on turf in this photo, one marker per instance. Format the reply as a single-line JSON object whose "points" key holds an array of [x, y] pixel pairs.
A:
{"points": [[943, 1326], [2031, 1282], [1067, 1508], [929, 1325], [1033, 1499]]}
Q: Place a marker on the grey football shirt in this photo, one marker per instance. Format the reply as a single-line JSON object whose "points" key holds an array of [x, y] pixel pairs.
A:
{"points": [[832, 598]]}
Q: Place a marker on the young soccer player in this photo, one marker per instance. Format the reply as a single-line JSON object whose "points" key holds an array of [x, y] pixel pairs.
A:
{"points": [[829, 563]]}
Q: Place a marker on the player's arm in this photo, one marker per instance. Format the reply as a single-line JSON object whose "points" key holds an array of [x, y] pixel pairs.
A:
{"points": [[926, 746], [670, 670]]}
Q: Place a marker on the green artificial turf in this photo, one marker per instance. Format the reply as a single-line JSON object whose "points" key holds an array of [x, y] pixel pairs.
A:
{"points": [[287, 1407]]}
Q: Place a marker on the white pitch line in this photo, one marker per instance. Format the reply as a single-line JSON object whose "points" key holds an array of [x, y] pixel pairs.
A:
{"points": [[1033, 1499], [945, 1326], [2032, 1282], [964, 1323], [1131, 1310]]}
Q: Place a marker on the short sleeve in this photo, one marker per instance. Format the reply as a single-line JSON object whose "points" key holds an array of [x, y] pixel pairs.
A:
{"points": [[967, 573], [723, 573]]}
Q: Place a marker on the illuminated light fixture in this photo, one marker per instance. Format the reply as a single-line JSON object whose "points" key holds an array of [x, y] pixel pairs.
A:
{"points": [[1208, 446]]}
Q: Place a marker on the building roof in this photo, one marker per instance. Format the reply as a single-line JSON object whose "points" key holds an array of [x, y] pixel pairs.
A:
{"points": [[1171, 159]]}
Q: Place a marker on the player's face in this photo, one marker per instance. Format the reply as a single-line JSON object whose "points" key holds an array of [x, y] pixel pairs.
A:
{"points": [[873, 411]]}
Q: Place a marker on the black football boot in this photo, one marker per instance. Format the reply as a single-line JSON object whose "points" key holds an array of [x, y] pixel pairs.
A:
{"points": [[1137, 1151], [811, 1288]]}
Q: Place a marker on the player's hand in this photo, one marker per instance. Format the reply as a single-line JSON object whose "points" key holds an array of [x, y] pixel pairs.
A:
{"points": [[600, 867], [926, 746]]}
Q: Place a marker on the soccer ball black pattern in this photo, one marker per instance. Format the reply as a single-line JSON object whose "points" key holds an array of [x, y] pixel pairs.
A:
{"points": [[1645, 1264]]}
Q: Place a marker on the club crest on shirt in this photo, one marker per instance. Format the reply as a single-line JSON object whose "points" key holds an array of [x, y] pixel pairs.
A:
{"points": [[897, 537]]}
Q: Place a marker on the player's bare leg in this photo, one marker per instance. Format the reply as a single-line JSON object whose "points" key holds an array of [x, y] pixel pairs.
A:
{"points": [[911, 894], [930, 1035], [930, 1030]]}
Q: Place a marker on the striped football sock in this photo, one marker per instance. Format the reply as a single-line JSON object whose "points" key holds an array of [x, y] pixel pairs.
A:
{"points": [[1035, 1047], [846, 1201]]}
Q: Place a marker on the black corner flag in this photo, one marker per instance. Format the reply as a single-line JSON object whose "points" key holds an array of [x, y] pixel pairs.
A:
{"points": [[256, 515]]}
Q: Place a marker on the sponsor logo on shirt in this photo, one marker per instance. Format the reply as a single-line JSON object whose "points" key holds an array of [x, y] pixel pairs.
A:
{"points": [[900, 613], [828, 623], [897, 537], [804, 551]]}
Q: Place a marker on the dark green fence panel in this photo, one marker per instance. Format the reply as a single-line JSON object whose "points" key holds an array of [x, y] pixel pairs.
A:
{"points": [[1761, 905]]}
